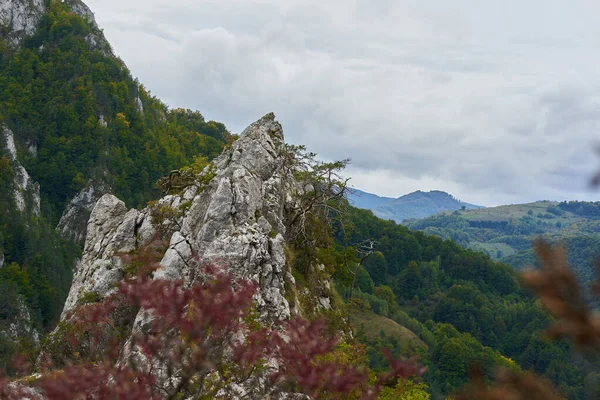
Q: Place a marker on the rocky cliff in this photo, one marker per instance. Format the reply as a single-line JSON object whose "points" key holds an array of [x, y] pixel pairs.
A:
{"points": [[20, 18], [73, 222], [24, 191], [233, 215], [25, 198]]}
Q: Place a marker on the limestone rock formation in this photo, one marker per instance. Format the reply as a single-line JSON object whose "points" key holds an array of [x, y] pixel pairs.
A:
{"points": [[235, 220], [73, 222], [26, 192], [21, 18], [20, 325], [81, 9]]}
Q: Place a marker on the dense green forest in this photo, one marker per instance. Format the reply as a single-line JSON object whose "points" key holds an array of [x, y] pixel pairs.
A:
{"points": [[466, 307], [65, 95], [90, 119]]}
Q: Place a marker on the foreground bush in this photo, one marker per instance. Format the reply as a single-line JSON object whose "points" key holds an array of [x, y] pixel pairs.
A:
{"points": [[204, 341]]}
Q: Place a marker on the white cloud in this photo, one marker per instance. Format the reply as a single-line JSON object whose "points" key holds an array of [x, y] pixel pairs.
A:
{"points": [[495, 102]]}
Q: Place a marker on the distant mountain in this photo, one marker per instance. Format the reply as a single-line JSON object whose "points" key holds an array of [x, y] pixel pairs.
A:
{"points": [[414, 205], [368, 201]]}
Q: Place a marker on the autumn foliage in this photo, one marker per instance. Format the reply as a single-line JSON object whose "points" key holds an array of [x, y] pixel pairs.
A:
{"points": [[203, 341]]}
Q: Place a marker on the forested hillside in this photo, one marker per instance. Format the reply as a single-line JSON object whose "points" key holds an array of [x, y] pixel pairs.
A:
{"points": [[506, 233], [78, 119], [465, 306], [85, 115]]}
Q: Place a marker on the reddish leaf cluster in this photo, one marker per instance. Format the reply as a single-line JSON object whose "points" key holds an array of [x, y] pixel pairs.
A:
{"points": [[89, 381], [562, 295], [198, 339], [297, 351]]}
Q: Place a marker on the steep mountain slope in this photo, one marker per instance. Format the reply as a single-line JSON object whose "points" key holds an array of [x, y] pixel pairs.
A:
{"points": [[414, 205], [506, 233], [81, 118], [74, 125], [35, 263], [465, 306]]}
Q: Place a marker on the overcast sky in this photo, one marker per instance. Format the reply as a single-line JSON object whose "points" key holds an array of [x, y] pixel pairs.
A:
{"points": [[495, 102]]}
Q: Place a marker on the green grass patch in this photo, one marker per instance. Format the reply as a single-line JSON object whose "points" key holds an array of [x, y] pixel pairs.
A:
{"points": [[372, 324]]}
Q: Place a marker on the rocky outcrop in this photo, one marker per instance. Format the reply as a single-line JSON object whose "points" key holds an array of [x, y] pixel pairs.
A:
{"points": [[81, 9], [73, 222], [139, 105], [21, 18], [19, 325], [95, 39], [111, 231], [233, 217], [26, 192]]}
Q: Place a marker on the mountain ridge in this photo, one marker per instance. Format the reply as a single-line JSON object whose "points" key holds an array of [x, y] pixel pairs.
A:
{"points": [[415, 205], [506, 233]]}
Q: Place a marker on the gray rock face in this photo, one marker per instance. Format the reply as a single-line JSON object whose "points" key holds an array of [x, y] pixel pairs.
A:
{"points": [[20, 17], [236, 221], [26, 192], [81, 9], [73, 222], [100, 266], [20, 325], [139, 105]]}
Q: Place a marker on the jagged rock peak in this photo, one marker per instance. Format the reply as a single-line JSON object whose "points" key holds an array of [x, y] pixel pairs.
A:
{"points": [[233, 217], [73, 222]]}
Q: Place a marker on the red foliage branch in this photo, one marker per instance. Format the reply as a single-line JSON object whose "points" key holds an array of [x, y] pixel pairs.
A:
{"points": [[197, 340]]}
